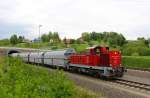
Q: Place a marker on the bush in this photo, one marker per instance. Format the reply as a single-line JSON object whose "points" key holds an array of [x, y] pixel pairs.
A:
{"points": [[20, 80], [144, 51], [135, 54], [138, 47], [80, 47], [91, 43]]}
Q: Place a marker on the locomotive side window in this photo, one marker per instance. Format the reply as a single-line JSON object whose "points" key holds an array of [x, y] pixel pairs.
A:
{"points": [[97, 51]]}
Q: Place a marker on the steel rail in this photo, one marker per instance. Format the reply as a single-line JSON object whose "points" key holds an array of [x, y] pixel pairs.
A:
{"points": [[133, 84]]}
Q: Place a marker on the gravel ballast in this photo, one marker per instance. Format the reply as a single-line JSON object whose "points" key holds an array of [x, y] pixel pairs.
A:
{"points": [[108, 89]]}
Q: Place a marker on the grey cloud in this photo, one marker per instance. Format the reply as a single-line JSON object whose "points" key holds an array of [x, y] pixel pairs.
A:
{"points": [[7, 29], [130, 17]]}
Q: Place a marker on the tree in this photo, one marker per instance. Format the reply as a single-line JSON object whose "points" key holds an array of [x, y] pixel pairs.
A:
{"points": [[140, 38], [143, 40], [146, 43], [20, 39], [50, 36], [94, 36], [13, 39], [86, 36], [105, 36], [65, 41], [56, 37], [122, 40], [45, 38], [73, 41], [149, 41]]}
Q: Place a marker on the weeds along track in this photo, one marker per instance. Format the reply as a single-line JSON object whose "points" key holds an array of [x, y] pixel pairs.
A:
{"points": [[141, 86]]}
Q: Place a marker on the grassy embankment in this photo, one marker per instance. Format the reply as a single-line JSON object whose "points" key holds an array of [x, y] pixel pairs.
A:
{"points": [[46, 45], [136, 61], [20, 80]]}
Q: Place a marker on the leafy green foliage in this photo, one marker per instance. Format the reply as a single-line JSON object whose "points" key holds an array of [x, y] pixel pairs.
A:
{"points": [[139, 47], [20, 39], [51, 37], [92, 43], [79, 47], [45, 38], [136, 61], [20, 80], [114, 39], [86, 36], [13, 39]]}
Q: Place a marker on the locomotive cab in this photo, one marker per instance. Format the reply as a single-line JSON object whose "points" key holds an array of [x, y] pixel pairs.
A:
{"points": [[107, 58], [98, 50], [110, 61], [102, 53]]}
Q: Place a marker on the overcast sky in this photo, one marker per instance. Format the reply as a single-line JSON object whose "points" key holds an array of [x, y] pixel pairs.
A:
{"points": [[72, 17]]}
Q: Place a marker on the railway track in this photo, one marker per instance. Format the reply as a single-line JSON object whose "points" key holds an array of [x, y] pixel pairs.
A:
{"points": [[124, 82], [141, 86]]}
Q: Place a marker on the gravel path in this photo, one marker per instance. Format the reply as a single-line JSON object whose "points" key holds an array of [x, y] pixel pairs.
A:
{"points": [[138, 73], [137, 79], [110, 90], [138, 76]]}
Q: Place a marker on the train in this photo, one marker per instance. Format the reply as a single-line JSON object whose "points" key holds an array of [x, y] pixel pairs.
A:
{"points": [[97, 60]]}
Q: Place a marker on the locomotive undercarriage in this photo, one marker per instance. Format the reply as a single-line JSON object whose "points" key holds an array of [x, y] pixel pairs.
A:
{"points": [[98, 71]]}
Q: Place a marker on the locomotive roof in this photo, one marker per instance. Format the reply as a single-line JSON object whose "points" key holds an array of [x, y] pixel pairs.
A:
{"points": [[96, 47], [64, 52]]}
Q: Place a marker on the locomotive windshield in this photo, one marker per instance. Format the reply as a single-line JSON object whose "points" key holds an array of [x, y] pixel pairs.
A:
{"points": [[97, 51]]}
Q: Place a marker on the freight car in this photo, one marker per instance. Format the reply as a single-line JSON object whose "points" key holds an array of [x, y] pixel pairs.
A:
{"points": [[98, 60]]}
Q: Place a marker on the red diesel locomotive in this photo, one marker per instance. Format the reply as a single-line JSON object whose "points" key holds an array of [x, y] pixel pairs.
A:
{"points": [[100, 61]]}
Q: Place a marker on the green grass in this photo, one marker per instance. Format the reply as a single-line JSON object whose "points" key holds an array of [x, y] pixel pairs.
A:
{"points": [[41, 45], [20, 80], [79, 47], [136, 61]]}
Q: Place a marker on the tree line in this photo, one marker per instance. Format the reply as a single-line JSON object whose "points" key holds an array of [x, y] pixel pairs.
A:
{"points": [[114, 40], [14, 39], [52, 37], [111, 38]]}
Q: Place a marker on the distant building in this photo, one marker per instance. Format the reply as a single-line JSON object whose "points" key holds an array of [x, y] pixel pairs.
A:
{"points": [[36, 40], [67, 42]]}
